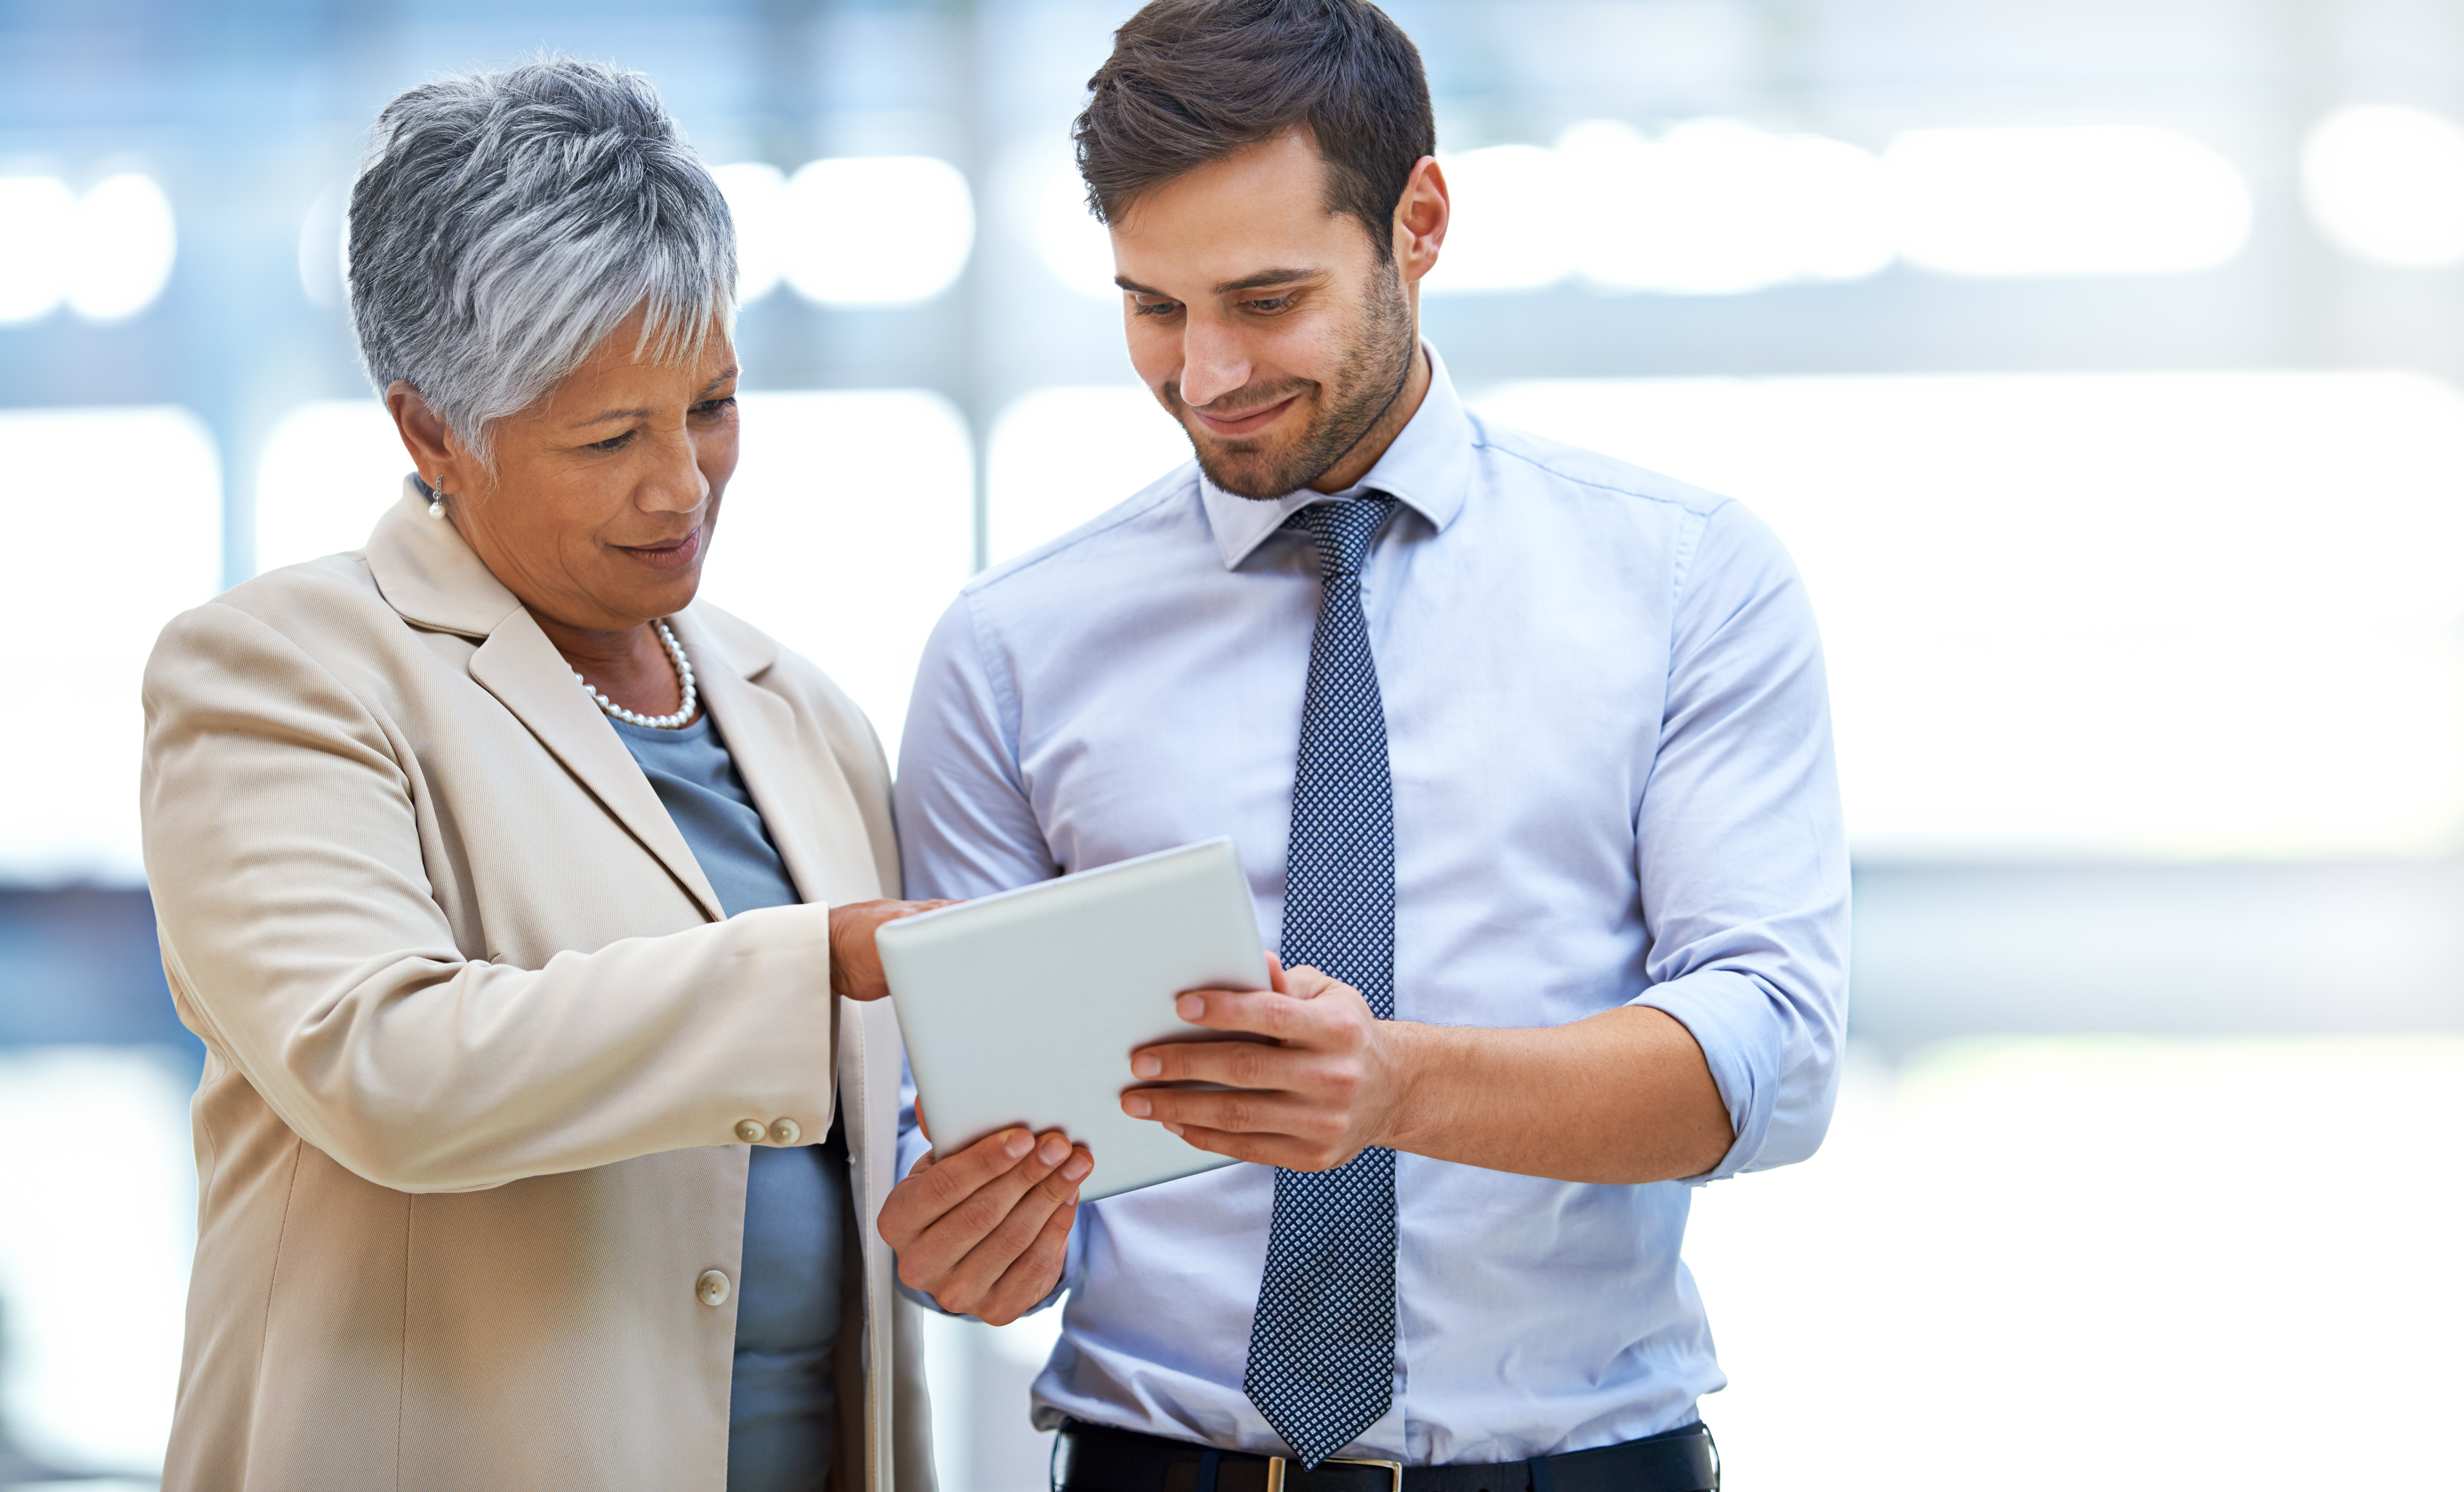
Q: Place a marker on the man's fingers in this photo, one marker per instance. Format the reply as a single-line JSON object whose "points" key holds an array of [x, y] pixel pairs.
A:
{"points": [[1243, 1065], [1255, 1012], [1234, 1112]]}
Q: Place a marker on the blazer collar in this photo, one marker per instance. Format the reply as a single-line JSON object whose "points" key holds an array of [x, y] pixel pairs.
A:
{"points": [[426, 573], [804, 797]]}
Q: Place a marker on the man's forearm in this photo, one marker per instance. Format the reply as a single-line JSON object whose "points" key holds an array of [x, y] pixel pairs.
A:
{"points": [[1620, 1098]]}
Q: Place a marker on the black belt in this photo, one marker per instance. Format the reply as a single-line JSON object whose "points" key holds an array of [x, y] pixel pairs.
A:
{"points": [[1097, 1459]]}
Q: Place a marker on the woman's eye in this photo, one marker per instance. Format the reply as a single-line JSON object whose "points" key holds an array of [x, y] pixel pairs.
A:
{"points": [[713, 406], [614, 442]]}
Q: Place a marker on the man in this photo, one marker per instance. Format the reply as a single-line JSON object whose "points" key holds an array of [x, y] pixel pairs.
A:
{"points": [[1528, 755]]}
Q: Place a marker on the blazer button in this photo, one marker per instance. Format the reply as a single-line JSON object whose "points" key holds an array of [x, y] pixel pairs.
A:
{"points": [[711, 1287], [785, 1133], [750, 1132]]}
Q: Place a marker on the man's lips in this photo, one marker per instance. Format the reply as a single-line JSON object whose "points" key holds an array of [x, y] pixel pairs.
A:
{"points": [[1246, 424], [674, 555]]}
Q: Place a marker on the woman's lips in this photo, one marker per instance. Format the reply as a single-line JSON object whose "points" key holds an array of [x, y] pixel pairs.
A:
{"points": [[1246, 424], [665, 556]]}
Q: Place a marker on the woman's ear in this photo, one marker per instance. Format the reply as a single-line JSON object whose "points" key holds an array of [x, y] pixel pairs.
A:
{"points": [[439, 457]]}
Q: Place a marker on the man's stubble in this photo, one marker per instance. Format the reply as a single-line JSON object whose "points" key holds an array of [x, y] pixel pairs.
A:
{"points": [[1376, 366]]}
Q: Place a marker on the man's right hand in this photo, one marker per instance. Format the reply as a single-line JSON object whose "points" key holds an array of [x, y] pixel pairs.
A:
{"points": [[986, 1231]]}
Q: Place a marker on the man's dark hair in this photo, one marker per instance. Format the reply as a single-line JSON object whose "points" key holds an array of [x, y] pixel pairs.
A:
{"points": [[1190, 81]]}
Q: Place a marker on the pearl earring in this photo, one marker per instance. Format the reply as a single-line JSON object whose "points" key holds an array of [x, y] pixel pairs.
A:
{"points": [[436, 505]]}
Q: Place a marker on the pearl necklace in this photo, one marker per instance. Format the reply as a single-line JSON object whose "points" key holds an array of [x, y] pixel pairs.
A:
{"points": [[666, 722]]}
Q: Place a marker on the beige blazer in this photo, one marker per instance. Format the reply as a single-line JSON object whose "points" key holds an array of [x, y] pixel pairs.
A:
{"points": [[480, 1040]]}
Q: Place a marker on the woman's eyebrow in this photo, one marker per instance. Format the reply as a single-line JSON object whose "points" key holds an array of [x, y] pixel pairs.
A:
{"points": [[606, 415]]}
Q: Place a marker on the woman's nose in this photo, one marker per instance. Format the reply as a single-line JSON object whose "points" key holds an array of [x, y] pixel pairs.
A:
{"points": [[678, 485]]}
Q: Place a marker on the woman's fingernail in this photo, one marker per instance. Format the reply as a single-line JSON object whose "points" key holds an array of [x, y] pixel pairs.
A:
{"points": [[1191, 1006], [1147, 1065], [1018, 1142], [1052, 1150], [1137, 1107], [1174, 1128], [1077, 1169]]}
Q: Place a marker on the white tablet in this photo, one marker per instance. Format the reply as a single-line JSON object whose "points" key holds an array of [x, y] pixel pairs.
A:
{"points": [[1023, 1007]]}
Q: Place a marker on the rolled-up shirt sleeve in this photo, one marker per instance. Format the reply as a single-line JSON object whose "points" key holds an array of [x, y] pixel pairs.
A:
{"points": [[1740, 848]]}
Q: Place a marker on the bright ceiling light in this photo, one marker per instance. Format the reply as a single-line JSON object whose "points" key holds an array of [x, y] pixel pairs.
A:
{"points": [[2068, 200], [36, 214], [1719, 208], [2388, 183], [126, 243], [1509, 228], [876, 230], [756, 193], [1075, 248]]}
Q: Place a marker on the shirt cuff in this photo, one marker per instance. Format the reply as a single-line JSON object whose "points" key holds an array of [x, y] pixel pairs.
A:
{"points": [[1731, 1017]]}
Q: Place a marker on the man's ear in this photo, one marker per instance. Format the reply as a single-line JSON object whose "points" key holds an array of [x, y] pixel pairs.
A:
{"points": [[1421, 219], [439, 457]]}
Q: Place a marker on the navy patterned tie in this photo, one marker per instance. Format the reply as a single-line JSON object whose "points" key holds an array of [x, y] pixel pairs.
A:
{"points": [[1322, 1349]]}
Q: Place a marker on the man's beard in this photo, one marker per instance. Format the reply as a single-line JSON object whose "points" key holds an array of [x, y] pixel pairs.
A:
{"points": [[1377, 363]]}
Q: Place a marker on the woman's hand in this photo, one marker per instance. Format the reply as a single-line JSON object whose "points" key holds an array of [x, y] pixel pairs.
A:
{"points": [[986, 1231], [855, 964]]}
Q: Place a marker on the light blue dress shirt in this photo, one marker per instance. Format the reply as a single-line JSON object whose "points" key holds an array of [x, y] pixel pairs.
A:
{"points": [[1611, 751]]}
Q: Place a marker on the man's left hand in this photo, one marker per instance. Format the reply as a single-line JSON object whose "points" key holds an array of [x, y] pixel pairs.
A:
{"points": [[1325, 1086]]}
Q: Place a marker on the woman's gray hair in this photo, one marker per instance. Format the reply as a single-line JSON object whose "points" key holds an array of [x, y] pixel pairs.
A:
{"points": [[504, 223]]}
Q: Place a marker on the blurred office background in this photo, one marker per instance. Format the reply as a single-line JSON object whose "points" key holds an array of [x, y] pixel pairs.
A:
{"points": [[2101, 362]]}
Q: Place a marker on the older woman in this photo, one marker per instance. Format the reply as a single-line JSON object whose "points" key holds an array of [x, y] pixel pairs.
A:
{"points": [[526, 907]]}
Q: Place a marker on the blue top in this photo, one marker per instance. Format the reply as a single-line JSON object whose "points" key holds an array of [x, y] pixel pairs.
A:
{"points": [[784, 1405], [1611, 755]]}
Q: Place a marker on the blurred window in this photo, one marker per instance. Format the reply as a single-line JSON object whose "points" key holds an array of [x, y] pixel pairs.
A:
{"points": [[328, 471], [118, 514], [847, 532], [2083, 615], [1060, 456]]}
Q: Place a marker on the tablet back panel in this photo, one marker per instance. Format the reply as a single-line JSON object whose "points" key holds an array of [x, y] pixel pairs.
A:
{"points": [[1023, 1007]]}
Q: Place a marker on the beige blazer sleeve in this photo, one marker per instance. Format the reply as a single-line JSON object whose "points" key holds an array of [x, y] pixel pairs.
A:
{"points": [[304, 923]]}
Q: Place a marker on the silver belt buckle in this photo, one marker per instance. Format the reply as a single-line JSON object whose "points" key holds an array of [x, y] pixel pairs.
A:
{"points": [[1275, 1470]]}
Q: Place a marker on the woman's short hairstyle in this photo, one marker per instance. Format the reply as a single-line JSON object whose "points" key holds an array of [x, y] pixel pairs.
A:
{"points": [[504, 223], [1190, 81]]}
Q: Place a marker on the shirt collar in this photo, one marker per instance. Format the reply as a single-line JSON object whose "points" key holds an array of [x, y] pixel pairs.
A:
{"points": [[1428, 468]]}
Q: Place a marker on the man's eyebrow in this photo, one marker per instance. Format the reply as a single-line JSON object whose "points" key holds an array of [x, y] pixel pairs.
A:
{"points": [[606, 415], [1264, 278], [1258, 281]]}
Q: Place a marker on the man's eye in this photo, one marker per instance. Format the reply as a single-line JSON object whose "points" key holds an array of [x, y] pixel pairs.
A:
{"points": [[1156, 307], [1276, 304]]}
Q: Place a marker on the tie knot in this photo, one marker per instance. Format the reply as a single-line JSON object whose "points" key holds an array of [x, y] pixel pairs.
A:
{"points": [[1343, 530]]}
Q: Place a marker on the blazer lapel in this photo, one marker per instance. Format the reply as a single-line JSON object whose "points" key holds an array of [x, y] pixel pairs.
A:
{"points": [[804, 797], [426, 572]]}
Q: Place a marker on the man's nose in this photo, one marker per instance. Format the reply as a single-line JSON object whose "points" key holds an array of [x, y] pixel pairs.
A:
{"points": [[1212, 364]]}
